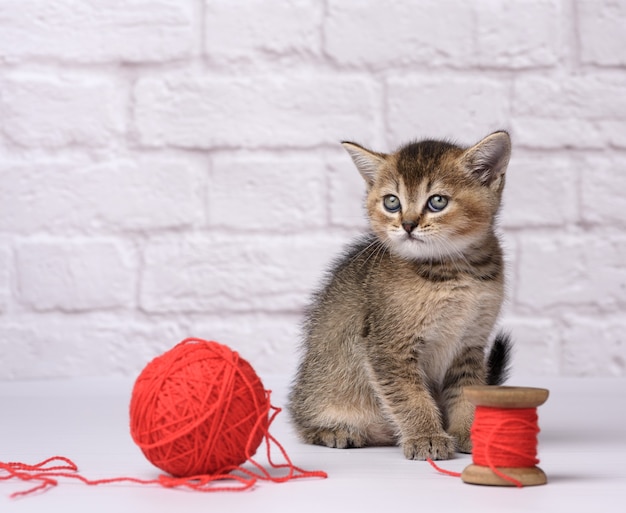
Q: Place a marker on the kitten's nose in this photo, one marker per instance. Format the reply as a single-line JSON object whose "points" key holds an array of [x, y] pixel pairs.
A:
{"points": [[409, 226]]}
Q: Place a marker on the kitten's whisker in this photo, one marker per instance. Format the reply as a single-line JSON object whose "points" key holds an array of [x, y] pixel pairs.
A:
{"points": [[380, 250], [376, 244], [364, 250], [460, 258], [453, 252]]}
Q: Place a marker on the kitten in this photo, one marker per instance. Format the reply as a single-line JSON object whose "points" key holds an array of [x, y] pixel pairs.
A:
{"points": [[403, 321]]}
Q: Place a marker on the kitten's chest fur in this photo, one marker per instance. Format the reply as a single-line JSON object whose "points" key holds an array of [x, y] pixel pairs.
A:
{"points": [[431, 309]]}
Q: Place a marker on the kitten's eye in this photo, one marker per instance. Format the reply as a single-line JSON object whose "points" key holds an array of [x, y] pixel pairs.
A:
{"points": [[391, 203], [437, 203]]}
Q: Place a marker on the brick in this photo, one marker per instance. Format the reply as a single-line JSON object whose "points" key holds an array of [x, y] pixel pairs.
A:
{"points": [[551, 272], [271, 111], [591, 97], [536, 346], [146, 193], [399, 33], [601, 35], [75, 276], [601, 178], [594, 347], [518, 33], [583, 112], [129, 345], [540, 191], [4, 275], [47, 349], [24, 360], [253, 29], [106, 345], [615, 133], [571, 270], [45, 111], [54, 347], [233, 274], [269, 341], [274, 193], [549, 133], [606, 282], [461, 109], [107, 31], [347, 194], [509, 245]]}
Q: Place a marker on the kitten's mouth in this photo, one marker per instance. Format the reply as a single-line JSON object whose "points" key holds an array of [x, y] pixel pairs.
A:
{"points": [[413, 238]]}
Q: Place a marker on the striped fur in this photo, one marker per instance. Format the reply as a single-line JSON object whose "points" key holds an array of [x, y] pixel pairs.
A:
{"points": [[403, 320]]}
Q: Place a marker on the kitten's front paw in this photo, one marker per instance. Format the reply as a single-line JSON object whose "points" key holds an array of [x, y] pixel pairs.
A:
{"points": [[436, 447], [339, 438]]}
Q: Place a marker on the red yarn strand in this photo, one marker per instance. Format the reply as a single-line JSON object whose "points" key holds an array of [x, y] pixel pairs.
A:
{"points": [[48, 477], [294, 471], [443, 470]]}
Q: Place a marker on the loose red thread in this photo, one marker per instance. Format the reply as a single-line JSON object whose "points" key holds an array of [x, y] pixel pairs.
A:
{"points": [[443, 470], [198, 412], [47, 473], [502, 437]]}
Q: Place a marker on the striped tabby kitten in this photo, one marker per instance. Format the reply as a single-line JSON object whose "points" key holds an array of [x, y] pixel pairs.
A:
{"points": [[403, 321]]}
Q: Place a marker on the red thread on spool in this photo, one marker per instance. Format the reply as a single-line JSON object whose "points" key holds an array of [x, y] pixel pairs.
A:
{"points": [[198, 412], [504, 437]]}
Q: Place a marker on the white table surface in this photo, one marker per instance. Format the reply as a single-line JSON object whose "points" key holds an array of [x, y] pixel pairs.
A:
{"points": [[582, 447]]}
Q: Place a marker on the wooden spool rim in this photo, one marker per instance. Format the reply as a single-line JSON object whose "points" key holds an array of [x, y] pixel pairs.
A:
{"points": [[476, 474], [505, 396]]}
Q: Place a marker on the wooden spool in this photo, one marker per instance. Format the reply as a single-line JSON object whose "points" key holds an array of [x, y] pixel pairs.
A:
{"points": [[505, 397]]}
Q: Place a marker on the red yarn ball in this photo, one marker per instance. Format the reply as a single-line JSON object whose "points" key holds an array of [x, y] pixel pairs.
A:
{"points": [[198, 409]]}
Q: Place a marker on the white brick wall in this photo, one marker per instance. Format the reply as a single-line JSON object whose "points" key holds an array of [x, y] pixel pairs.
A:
{"points": [[41, 111], [263, 110], [113, 31], [171, 168], [74, 275], [48, 195]]}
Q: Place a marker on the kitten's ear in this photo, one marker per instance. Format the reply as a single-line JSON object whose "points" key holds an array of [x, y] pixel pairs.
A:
{"points": [[366, 161], [488, 159]]}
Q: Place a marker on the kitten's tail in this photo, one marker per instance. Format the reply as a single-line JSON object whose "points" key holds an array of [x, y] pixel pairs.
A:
{"points": [[499, 359]]}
